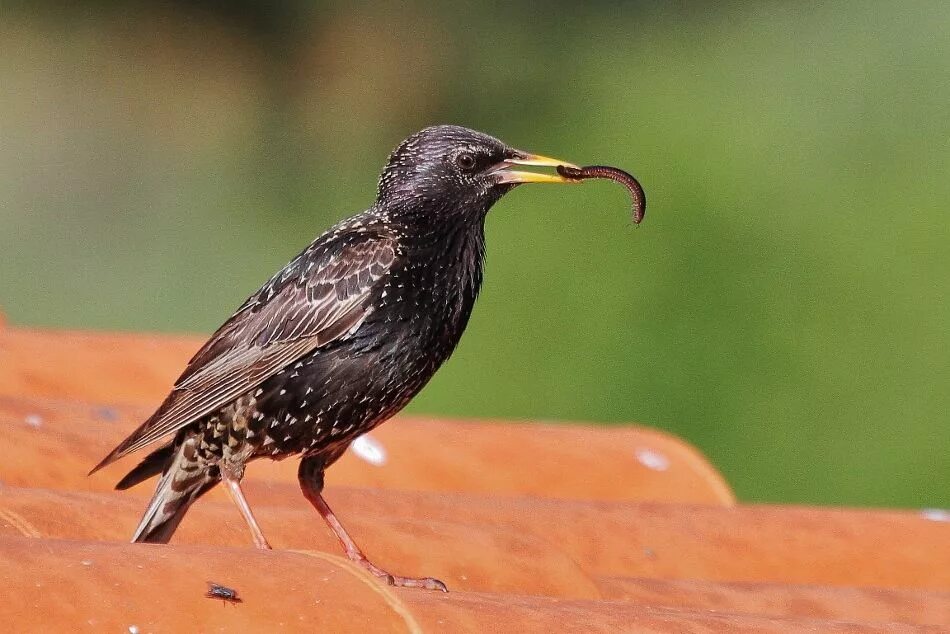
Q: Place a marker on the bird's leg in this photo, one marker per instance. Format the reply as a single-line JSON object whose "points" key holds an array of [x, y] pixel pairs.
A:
{"points": [[231, 476], [310, 475]]}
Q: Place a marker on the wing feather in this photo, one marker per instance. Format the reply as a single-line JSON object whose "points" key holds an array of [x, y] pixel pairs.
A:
{"points": [[320, 296]]}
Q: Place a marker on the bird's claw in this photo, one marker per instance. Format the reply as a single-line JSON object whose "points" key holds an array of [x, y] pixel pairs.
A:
{"points": [[426, 583]]}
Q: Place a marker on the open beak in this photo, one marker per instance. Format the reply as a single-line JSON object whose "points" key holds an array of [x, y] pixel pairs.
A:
{"points": [[504, 173]]}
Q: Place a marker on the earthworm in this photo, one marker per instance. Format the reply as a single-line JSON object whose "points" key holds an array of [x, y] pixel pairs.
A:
{"points": [[614, 174]]}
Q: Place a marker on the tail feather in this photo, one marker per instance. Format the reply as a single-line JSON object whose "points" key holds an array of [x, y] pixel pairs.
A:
{"points": [[183, 481], [152, 465]]}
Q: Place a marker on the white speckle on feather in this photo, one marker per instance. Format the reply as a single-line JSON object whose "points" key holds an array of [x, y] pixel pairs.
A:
{"points": [[370, 450], [133, 629], [33, 420]]}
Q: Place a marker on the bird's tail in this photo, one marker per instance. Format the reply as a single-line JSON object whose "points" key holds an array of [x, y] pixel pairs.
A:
{"points": [[154, 464], [183, 481]]}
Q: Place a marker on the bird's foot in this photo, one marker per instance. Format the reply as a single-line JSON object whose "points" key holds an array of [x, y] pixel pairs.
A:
{"points": [[426, 583], [311, 482]]}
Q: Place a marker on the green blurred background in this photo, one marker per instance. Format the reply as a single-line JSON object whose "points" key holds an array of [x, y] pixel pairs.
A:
{"points": [[784, 306]]}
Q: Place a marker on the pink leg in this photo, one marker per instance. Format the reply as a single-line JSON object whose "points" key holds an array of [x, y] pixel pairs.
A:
{"points": [[233, 487], [311, 482]]}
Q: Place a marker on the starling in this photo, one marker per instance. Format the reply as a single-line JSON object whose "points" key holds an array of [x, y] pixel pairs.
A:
{"points": [[339, 340]]}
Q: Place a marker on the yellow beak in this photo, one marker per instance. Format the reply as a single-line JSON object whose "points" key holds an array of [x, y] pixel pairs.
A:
{"points": [[505, 174]]}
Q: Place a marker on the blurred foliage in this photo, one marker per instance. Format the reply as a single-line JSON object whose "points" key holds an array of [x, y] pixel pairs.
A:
{"points": [[784, 306]]}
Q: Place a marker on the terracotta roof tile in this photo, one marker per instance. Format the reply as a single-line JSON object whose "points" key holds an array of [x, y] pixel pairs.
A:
{"points": [[784, 600], [72, 585], [529, 533], [411, 453]]}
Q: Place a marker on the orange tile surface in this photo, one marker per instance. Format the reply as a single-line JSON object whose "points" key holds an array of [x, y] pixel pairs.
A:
{"points": [[91, 389], [410, 453], [784, 600], [529, 532], [95, 586]]}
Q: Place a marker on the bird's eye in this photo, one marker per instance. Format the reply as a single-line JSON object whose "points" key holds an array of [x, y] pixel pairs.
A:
{"points": [[465, 161]]}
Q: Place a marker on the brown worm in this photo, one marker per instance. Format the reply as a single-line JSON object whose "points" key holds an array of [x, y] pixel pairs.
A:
{"points": [[614, 174]]}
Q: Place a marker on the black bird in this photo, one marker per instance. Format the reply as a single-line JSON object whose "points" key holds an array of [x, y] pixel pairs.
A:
{"points": [[338, 340]]}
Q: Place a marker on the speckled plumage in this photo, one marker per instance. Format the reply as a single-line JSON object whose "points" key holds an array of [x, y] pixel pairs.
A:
{"points": [[337, 341]]}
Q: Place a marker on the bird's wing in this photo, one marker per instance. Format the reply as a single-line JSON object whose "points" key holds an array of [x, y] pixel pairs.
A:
{"points": [[317, 298]]}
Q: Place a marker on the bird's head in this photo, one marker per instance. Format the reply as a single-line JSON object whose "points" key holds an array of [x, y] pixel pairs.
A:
{"points": [[457, 171]]}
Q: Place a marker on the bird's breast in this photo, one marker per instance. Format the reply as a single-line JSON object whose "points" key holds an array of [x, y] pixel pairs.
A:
{"points": [[432, 292]]}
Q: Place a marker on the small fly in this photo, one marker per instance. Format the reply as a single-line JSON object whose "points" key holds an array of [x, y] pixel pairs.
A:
{"points": [[228, 595]]}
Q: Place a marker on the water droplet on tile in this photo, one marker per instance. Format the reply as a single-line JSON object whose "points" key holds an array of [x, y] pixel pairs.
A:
{"points": [[370, 450], [936, 515], [652, 459]]}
